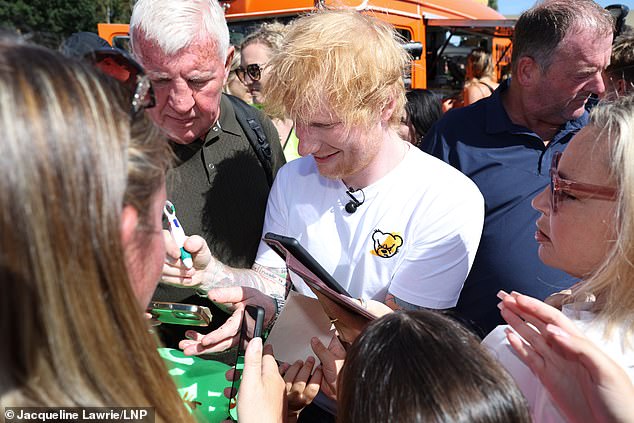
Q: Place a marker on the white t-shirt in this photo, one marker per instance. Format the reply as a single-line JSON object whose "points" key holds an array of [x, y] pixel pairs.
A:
{"points": [[416, 233], [542, 407]]}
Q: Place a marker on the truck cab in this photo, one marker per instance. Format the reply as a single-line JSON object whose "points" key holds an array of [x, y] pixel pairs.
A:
{"points": [[439, 34]]}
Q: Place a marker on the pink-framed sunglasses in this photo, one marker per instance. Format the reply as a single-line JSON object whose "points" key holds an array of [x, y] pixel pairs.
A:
{"points": [[560, 186]]}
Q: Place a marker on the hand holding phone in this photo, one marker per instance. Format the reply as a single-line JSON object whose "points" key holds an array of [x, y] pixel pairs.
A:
{"points": [[256, 314], [262, 389], [227, 335]]}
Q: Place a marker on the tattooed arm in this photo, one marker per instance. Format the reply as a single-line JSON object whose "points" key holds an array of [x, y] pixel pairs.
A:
{"points": [[209, 272], [231, 289], [270, 281]]}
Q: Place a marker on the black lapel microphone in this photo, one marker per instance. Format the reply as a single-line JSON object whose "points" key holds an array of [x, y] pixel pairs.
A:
{"points": [[354, 204]]}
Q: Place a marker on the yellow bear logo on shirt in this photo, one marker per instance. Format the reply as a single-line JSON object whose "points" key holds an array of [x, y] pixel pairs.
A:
{"points": [[386, 245]]}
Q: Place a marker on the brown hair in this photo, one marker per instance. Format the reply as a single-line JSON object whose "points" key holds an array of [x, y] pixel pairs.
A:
{"points": [[70, 158], [540, 30], [622, 60]]}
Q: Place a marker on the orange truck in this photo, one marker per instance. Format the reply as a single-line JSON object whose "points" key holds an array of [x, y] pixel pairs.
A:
{"points": [[440, 32]]}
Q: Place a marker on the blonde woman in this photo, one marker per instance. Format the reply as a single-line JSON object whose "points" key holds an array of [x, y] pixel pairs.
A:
{"points": [[587, 230], [256, 50], [81, 247], [234, 85], [480, 80]]}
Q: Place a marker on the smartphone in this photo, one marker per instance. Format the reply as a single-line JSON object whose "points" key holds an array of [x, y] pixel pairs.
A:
{"points": [[257, 314], [293, 246], [180, 314]]}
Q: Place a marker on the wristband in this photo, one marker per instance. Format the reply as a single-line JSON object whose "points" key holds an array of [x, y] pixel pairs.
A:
{"points": [[201, 292], [279, 302]]}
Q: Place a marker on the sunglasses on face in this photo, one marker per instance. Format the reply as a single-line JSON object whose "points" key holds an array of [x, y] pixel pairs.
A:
{"points": [[254, 71], [119, 65], [560, 187]]}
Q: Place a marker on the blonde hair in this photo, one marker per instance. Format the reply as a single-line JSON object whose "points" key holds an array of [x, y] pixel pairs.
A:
{"points": [[352, 62], [613, 282], [70, 158], [479, 64], [271, 34]]}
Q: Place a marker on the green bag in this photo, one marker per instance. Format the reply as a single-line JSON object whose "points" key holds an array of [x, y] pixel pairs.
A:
{"points": [[200, 383]]}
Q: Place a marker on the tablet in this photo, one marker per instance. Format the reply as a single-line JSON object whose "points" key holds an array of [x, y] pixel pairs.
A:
{"points": [[291, 245]]}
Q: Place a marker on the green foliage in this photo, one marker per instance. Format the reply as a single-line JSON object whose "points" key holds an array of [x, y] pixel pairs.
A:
{"points": [[493, 4], [120, 10], [50, 21]]}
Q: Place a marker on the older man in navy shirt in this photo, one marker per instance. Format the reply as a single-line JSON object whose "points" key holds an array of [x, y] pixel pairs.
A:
{"points": [[505, 144]]}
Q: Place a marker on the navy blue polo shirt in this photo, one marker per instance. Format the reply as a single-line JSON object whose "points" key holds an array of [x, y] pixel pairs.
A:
{"points": [[510, 165]]}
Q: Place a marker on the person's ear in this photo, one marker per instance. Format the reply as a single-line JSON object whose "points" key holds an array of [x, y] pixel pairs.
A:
{"points": [[230, 52], [129, 222], [388, 110], [527, 71]]}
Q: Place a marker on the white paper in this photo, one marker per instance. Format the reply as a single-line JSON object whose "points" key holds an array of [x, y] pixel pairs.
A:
{"points": [[301, 319]]}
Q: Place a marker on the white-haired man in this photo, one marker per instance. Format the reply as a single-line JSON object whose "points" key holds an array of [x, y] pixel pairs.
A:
{"points": [[222, 180]]}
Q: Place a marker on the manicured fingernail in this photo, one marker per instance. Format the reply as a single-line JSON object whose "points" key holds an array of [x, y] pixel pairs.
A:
{"points": [[557, 331], [501, 306], [190, 335], [501, 294], [257, 344]]}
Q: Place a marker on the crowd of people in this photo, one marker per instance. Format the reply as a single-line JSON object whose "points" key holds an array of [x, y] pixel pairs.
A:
{"points": [[509, 219]]}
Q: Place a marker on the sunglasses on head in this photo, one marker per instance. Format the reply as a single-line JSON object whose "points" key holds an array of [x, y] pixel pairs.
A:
{"points": [[119, 65], [560, 187], [254, 71]]}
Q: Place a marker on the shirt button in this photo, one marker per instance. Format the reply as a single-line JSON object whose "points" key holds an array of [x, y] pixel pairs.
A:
{"points": [[211, 166]]}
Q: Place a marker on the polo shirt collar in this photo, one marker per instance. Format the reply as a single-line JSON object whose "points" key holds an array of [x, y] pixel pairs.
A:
{"points": [[227, 121], [498, 121]]}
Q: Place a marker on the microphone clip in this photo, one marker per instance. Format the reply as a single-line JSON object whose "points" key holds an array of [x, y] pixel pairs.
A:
{"points": [[354, 203]]}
